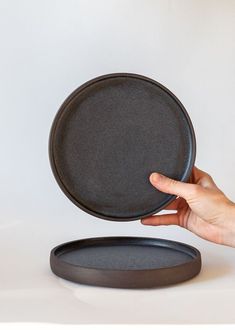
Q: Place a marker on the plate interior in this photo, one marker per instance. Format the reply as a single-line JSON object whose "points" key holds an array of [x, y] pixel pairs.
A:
{"points": [[126, 257], [110, 136]]}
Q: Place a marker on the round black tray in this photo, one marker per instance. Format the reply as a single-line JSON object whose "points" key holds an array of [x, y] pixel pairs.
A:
{"points": [[125, 262], [108, 137]]}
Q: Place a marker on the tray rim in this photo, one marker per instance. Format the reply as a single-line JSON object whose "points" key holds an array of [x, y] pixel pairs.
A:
{"points": [[58, 117], [104, 239]]}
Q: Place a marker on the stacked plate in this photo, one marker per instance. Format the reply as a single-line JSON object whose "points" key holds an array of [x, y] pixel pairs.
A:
{"points": [[107, 138]]}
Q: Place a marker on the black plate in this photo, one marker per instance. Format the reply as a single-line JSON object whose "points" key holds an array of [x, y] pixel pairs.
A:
{"points": [[107, 138], [125, 262]]}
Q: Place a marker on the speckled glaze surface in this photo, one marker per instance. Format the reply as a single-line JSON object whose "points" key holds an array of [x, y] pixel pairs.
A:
{"points": [[109, 135]]}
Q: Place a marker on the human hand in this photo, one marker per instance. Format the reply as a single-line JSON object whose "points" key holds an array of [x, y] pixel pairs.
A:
{"points": [[201, 207]]}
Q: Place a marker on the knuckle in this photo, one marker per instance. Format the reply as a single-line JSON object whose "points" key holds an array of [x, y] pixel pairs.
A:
{"points": [[206, 181], [208, 176], [169, 185], [172, 182]]}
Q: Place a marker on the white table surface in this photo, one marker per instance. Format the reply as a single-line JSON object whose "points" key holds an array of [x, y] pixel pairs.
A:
{"points": [[29, 292]]}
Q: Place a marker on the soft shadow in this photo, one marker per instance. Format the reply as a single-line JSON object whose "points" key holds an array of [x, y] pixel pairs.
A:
{"points": [[66, 302]]}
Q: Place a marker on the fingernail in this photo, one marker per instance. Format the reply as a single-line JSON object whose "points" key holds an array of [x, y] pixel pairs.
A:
{"points": [[154, 177]]}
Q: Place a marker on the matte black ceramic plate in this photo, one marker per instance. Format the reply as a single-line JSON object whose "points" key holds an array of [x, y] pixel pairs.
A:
{"points": [[110, 135], [125, 262]]}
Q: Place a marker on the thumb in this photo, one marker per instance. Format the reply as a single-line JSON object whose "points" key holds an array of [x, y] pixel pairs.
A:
{"points": [[170, 186]]}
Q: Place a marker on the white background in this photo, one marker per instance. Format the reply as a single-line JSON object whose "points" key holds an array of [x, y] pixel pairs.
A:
{"points": [[47, 49]]}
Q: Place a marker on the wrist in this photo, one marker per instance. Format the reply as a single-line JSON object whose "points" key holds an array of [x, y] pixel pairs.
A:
{"points": [[229, 223]]}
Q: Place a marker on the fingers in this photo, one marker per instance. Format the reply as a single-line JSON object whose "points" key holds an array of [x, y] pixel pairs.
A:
{"points": [[158, 220], [178, 203], [170, 186]]}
